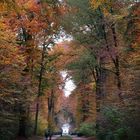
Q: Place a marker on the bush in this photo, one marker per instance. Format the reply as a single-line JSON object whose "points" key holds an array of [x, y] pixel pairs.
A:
{"points": [[116, 125], [8, 128], [29, 128], [119, 134], [87, 129]]}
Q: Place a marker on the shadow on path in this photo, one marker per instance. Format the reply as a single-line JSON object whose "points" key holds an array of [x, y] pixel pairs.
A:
{"points": [[38, 138]]}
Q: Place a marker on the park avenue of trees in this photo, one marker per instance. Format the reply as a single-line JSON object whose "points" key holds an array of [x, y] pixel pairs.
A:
{"points": [[69, 69]]}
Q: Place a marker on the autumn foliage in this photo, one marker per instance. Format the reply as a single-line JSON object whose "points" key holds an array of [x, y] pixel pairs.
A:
{"points": [[96, 42]]}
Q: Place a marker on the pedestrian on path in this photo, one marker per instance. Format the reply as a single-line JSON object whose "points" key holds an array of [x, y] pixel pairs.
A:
{"points": [[46, 134]]}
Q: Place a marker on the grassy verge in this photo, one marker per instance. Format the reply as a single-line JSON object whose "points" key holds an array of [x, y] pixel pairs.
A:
{"points": [[65, 138]]}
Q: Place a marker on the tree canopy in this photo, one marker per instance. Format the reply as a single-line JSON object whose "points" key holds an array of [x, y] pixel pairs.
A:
{"points": [[94, 44]]}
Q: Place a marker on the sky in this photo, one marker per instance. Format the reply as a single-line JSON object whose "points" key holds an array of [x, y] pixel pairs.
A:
{"points": [[69, 84]]}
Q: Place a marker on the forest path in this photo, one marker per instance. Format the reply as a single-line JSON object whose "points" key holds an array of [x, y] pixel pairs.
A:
{"points": [[82, 138], [43, 138], [56, 137], [38, 138]]}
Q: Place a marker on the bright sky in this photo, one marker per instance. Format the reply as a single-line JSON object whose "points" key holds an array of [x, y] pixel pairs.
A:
{"points": [[69, 84], [63, 37]]}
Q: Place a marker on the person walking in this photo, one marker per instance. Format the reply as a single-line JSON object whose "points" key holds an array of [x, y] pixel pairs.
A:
{"points": [[46, 134], [61, 131]]}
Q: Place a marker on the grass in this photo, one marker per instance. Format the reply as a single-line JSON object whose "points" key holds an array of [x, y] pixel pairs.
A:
{"points": [[64, 138]]}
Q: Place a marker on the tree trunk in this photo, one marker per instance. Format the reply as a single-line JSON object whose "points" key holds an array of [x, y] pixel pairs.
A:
{"points": [[39, 89], [22, 121], [99, 93], [117, 63], [116, 59], [50, 112]]}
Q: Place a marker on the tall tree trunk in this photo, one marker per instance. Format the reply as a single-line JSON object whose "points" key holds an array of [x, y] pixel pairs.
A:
{"points": [[50, 112], [97, 75], [39, 89], [98, 90], [22, 121], [119, 85], [99, 94], [117, 63], [116, 59]]}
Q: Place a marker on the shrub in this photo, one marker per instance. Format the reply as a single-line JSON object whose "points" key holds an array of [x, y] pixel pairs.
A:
{"points": [[87, 129], [8, 128], [112, 127]]}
